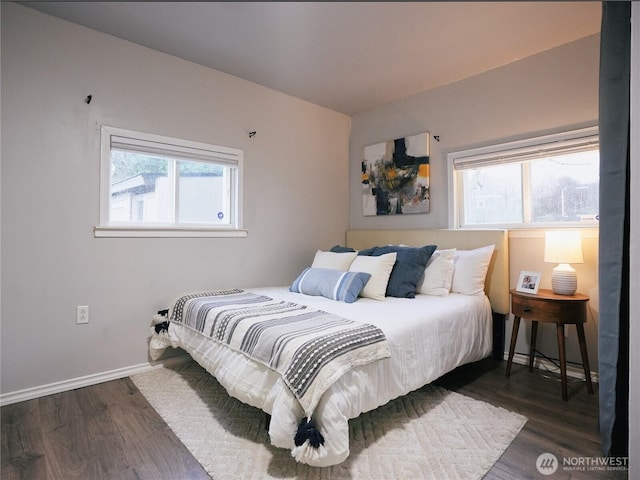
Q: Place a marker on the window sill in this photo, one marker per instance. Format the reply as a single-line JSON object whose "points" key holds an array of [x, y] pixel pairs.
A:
{"points": [[171, 232], [586, 232]]}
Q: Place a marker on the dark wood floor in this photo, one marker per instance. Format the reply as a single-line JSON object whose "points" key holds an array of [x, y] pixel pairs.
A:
{"points": [[109, 431], [568, 430], [106, 431]]}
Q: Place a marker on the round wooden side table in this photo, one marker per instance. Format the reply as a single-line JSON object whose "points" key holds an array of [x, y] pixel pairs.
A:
{"points": [[562, 310]]}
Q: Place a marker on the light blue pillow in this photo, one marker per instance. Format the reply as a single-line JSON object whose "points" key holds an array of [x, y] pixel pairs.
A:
{"points": [[333, 284]]}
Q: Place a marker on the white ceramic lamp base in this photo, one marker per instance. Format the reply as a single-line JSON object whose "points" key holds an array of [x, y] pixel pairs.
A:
{"points": [[564, 280]]}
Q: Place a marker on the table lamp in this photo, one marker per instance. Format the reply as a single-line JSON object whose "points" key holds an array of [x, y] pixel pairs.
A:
{"points": [[563, 247]]}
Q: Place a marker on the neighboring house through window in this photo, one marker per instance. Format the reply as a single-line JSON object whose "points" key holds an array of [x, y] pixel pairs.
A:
{"points": [[153, 185]]}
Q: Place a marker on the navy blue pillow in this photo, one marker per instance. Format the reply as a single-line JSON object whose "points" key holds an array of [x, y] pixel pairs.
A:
{"points": [[341, 249], [369, 252], [408, 269]]}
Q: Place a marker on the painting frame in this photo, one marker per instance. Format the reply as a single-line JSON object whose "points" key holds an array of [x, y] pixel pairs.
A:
{"points": [[528, 282], [396, 176]]}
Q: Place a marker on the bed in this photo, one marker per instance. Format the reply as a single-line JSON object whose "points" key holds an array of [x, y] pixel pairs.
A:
{"points": [[415, 340]]}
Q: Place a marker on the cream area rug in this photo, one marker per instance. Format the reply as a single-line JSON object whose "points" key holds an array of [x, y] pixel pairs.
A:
{"points": [[431, 433]]}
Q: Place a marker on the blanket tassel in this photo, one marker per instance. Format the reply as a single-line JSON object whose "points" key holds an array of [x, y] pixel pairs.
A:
{"points": [[307, 431], [159, 335], [159, 328], [309, 442]]}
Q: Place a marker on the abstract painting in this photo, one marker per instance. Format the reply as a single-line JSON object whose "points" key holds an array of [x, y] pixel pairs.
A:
{"points": [[395, 176]]}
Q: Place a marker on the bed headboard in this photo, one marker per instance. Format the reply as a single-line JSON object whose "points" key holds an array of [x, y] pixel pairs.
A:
{"points": [[497, 283]]}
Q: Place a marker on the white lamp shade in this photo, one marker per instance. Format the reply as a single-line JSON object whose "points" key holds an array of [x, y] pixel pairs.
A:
{"points": [[563, 246]]}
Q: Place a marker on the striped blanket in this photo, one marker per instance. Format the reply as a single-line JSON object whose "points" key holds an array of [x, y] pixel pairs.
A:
{"points": [[309, 348]]}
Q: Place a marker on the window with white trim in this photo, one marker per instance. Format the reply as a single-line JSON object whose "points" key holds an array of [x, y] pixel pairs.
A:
{"points": [[538, 182], [163, 186]]}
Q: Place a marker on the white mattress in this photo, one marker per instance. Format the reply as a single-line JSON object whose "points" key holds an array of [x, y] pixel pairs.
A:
{"points": [[428, 335]]}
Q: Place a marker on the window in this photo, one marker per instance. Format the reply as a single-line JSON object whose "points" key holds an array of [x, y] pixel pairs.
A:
{"points": [[160, 186], [539, 182]]}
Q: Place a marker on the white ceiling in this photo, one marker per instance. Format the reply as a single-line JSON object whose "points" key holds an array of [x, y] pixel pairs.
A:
{"points": [[347, 56]]}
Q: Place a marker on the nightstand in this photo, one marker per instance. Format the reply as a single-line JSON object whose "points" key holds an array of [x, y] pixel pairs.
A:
{"points": [[547, 306]]}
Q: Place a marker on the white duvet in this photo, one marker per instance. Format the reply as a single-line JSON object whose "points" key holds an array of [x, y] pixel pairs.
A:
{"points": [[428, 335]]}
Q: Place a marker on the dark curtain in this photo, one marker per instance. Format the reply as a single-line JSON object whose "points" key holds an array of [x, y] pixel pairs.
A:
{"points": [[613, 335]]}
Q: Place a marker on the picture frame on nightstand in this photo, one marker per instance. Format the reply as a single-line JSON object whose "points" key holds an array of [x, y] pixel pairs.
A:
{"points": [[528, 282]]}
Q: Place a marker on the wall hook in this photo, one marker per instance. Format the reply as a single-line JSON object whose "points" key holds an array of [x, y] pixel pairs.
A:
{"points": [[436, 138], [88, 99]]}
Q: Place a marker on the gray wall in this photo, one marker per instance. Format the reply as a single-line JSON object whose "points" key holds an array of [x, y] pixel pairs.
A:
{"points": [[295, 193], [548, 92], [553, 91]]}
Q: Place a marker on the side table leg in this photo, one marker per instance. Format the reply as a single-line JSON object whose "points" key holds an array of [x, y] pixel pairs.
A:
{"points": [[534, 335], [563, 360], [512, 346], [585, 357]]}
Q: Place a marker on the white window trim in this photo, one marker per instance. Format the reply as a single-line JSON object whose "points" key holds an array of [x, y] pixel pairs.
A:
{"points": [[186, 149], [163, 232], [535, 147]]}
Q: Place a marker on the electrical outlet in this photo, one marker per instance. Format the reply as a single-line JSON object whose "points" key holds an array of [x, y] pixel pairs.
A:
{"points": [[82, 314]]}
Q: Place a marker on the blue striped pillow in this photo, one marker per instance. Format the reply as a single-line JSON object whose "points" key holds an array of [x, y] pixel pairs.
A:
{"points": [[333, 284]]}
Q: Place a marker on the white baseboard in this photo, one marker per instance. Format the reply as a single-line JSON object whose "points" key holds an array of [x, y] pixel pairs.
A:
{"points": [[94, 379], [544, 364]]}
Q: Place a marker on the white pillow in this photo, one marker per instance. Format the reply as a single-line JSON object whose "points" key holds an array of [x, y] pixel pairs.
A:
{"points": [[470, 270], [380, 269], [438, 274], [333, 261]]}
